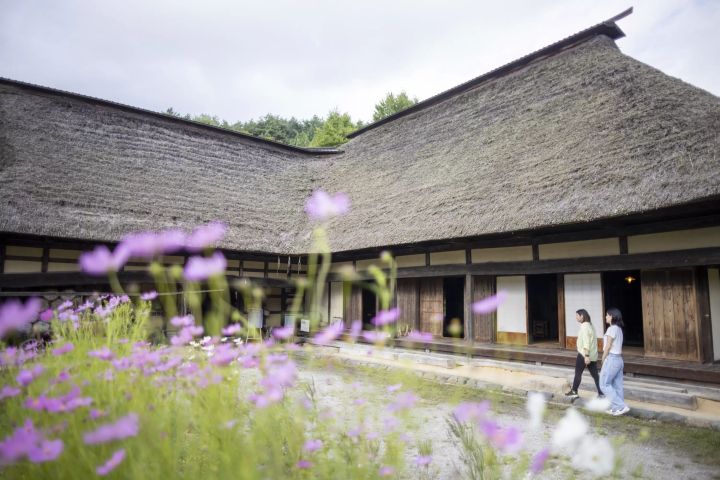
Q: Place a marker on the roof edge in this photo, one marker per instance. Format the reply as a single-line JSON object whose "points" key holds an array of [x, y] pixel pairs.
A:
{"points": [[607, 28], [165, 116]]}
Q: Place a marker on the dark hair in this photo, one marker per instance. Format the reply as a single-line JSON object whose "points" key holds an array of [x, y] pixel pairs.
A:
{"points": [[584, 314], [616, 317]]}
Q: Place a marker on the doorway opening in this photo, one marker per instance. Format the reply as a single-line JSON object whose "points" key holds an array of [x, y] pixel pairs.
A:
{"points": [[542, 299], [454, 307], [369, 308], [622, 290]]}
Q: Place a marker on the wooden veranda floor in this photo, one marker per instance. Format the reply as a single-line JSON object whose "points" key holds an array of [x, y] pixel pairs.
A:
{"points": [[634, 363]]}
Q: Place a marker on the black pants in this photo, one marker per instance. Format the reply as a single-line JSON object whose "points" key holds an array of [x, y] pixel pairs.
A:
{"points": [[580, 368]]}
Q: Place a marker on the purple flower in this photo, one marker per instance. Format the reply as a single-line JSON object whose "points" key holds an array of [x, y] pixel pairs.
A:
{"points": [[112, 463], [103, 354], [150, 244], [507, 440], [403, 401], [206, 236], [95, 414], [420, 336], [355, 329], [147, 296], [467, 411], [201, 268], [489, 304], [538, 461], [65, 305], [16, 316], [321, 206], [26, 441], [386, 317], [423, 460], [45, 451], [283, 333], [8, 391], [304, 464], [125, 427], [386, 471], [374, 336], [26, 377], [329, 334], [100, 261], [232, 329], [224, 355], [312, 445], [171, 241], [394, 388], [47, 315], [185, 321], [65, 348]]}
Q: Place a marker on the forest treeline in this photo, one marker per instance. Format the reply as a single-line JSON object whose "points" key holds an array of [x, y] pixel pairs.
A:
{"points": [[329, 131]]}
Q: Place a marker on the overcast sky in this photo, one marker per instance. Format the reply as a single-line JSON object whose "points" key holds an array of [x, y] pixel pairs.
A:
{"points": [[240, 60]]}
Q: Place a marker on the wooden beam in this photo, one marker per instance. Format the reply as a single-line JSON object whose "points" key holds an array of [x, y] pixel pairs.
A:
{"points": [[467, 312]]}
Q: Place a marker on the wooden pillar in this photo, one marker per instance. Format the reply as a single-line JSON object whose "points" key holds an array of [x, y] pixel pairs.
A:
{"points": [[45, 260], [468, 316], [704, 322], [561, 309]]}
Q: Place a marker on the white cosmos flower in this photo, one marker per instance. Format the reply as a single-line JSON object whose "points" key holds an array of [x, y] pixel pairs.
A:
{"points": [[536, 408], [570, 429], [595, 455], [598, 404]]}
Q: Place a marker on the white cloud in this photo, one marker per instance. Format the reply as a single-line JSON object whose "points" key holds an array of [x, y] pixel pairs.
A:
{"points": [[241, 60]]}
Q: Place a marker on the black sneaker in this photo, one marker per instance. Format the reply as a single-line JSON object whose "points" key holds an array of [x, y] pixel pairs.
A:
{"points": [[572, 394]]}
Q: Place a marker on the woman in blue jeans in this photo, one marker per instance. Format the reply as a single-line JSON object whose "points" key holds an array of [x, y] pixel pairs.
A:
{"points": [[611, 374]]}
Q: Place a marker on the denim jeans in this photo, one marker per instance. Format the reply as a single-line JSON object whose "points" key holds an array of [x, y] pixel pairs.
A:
{"points": [[611, 381]]}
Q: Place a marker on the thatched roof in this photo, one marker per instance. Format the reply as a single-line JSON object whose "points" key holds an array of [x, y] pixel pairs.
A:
{"points": [[574, 133]]}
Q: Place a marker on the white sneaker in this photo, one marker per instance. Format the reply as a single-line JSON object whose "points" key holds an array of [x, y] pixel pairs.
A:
{"points": [[622, 411]]}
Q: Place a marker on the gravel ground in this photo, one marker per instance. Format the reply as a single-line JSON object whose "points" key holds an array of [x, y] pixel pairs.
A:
{"points": [[339, 388]]}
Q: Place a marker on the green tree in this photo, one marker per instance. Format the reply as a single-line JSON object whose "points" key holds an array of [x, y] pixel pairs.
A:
{"points": [[334, 130], [392, 104]]}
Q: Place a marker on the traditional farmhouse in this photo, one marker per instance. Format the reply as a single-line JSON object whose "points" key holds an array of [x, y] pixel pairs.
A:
{"points": [[574, 177]]}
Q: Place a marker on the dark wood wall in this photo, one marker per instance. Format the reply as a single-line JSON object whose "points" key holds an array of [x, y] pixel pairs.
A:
{"points": [[408, 301], [670, 314], [432, 308], [484, 325], [353, 306]]}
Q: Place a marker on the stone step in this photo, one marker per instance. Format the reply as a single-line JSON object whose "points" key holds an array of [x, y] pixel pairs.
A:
{"points": [[651, 395]]}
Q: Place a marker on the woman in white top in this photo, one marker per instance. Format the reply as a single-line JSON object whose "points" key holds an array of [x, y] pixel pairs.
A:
{"points": [[611, 374]]}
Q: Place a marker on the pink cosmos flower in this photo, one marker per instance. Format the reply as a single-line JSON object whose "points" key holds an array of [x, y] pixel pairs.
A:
{"points": [[355, 329], [386, 317], [283, 333], [125, 427], [62, 350], [507, 440], [538, 461], [321, 206], [103, 354], [8, 392], [467, 411], [206, 236], [489, 304], [232, 329], [329, 334], [312, 445], [224, 355], [185, 321], [100, 261], [112, 463], [202, 268], [423, 460], [304, 464], [26, 377], [403, 401], [16, 316], [147, 296], [374, 336], [386, 471], [26, 441], [47, 315]]}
